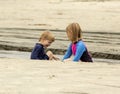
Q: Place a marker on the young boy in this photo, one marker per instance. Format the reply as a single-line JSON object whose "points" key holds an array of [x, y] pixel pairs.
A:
{"points": [[38, 52]]}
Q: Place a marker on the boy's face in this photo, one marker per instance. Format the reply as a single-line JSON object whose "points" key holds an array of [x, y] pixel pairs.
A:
{"points": [[46, 43]]}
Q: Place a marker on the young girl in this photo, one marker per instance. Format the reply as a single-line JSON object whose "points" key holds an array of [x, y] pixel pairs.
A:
{"points": [[38, 52], [77, 47]]}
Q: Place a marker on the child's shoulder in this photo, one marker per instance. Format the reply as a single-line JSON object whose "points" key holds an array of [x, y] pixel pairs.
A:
{"points": [[38, 45], [80, 42]]}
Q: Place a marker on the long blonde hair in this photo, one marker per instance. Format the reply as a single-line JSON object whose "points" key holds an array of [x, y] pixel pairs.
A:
{"points": [[74, 32]]}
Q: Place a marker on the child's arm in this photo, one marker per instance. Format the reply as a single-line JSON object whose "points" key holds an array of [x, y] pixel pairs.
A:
{"points": [[55, 57], [79, 51], [35, 52], [68, 53], [38, 53], [52, 56]]}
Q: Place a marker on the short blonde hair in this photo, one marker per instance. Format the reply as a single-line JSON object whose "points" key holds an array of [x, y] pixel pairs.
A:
{"points": [[47, 35], [75, 31]]}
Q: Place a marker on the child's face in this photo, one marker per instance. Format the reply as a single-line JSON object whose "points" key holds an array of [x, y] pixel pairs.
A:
{"points": [[46, 43]]}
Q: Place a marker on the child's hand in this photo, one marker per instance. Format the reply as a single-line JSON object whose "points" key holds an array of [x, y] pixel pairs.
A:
{"points": [[55, 58], [67, 60]]}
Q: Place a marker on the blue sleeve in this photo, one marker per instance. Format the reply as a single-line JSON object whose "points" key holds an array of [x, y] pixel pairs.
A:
{"points": [[80, 48], [68, 53]]}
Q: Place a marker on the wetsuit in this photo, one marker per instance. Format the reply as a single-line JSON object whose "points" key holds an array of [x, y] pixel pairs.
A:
{"points": [[39, 53], [79, 51]]}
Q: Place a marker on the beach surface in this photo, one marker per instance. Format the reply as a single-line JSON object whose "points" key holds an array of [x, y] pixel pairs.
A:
{"points": [[22, 76], [22, 22], [57, 14]]}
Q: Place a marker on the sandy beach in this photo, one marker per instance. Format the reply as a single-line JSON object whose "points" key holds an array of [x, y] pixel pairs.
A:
{"points": [[52, 14], [22, 22], [21, 76]]}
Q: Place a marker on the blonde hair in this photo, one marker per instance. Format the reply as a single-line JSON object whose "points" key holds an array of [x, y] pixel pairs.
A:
{"points": [[74, 31], [47, 35]]}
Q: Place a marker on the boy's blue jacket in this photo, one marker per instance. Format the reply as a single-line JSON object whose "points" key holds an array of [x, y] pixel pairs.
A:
{"points": [[39, 53]]}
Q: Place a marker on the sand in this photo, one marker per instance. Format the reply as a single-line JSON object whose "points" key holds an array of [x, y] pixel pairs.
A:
{"points": [[51, 14], [21, 23], [24, 76], [20, 76]]}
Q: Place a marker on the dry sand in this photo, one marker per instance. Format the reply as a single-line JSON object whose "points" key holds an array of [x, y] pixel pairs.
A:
{"points": [[19, 76], [52, 14]]}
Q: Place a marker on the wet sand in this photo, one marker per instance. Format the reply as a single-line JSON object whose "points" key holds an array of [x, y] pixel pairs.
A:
{"points": [[100, 44], [21, 23]]}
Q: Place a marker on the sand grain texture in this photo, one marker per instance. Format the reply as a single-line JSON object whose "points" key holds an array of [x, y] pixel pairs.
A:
{"points": [[19, 76]]}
